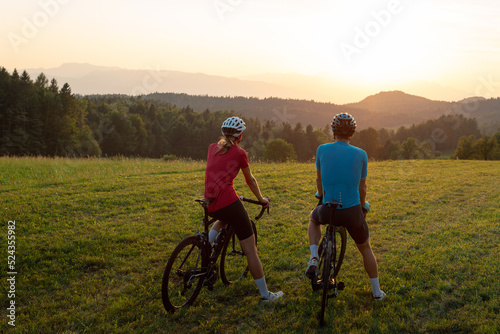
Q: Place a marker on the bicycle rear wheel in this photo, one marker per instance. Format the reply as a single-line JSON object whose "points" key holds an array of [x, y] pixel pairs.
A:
{"points": [[184, 274], [233, 262], [340, 244], [331, 257], [326, 260]]}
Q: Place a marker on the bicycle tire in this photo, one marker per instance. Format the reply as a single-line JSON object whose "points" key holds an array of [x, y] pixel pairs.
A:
{"points": [[341, 231], [233, 262], [325, 278], [332, 258], [180, 286]]}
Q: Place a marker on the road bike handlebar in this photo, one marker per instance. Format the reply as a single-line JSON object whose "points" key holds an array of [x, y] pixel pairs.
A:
{"points": [[245, 199]]}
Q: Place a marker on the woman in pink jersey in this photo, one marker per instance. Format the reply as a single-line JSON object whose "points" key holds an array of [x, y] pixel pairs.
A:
{"points": [[224, 161]]}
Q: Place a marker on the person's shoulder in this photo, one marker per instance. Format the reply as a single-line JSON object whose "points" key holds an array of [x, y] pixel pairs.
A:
{"points": [[360, 151], [325, 146], [355, 148], [211, 147], [239, 150]]}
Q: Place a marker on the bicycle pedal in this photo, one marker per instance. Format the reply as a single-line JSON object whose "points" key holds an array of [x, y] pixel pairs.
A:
{"points": [[316, 284], [209, 284], [333, 295], [340, 286]]}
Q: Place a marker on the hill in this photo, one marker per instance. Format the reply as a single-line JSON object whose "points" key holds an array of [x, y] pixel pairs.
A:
{"points": [[416, 109], [274, 109], [276, 97], [382, 110], [397, 101]]}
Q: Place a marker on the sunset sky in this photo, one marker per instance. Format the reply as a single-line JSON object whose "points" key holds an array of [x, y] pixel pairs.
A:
{"points": [[378, 44]]}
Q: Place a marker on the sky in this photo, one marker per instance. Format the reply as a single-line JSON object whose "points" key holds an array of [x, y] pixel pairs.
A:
{"points": [[371, 43]]}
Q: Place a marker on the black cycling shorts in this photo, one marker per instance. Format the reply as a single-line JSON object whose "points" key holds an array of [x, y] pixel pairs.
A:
{"points": [[235, 215], [351, 218]]}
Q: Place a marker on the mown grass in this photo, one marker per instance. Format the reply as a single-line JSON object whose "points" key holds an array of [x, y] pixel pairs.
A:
{"points": [[93, 237]]}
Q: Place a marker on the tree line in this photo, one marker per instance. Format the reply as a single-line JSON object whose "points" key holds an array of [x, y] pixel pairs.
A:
{"points": [[446, 135], [40, 119]]}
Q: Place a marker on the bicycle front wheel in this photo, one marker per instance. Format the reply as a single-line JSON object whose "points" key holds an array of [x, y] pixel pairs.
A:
{"points": [[233, 262], [184, 274]]}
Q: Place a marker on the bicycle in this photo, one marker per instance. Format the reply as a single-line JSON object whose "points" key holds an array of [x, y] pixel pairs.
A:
{"points": [[193, 263], [331, 254]]}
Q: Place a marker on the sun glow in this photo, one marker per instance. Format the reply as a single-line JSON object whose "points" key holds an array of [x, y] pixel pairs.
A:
{"points": [[376, 43], [387, 46]]}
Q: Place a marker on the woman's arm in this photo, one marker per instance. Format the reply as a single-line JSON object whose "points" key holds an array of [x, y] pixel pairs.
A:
{"points": [[253, 185]]}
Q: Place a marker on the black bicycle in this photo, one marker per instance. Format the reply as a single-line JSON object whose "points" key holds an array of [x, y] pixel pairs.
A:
{"points": [[193, 263], [331, 253]]}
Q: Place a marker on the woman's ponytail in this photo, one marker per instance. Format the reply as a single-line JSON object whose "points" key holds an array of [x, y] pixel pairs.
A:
{"points": [[225, 143]]}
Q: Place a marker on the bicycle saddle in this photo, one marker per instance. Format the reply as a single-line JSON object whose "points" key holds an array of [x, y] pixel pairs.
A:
{"points": [[205, 202], [333, 204]]}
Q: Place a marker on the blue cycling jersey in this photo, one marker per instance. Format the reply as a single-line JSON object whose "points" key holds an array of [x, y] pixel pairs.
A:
{"points": [[342, 167]]}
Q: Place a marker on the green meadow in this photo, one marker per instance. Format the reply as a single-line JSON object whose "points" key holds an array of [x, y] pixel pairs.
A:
{"points": [[92, 238]]}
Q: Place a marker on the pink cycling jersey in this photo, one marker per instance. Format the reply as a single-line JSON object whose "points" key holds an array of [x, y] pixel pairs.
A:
{"points": [[220, 173]]}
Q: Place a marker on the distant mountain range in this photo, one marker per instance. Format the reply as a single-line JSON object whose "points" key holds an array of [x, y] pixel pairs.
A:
{"points": [[286, 97], [87, 79]]}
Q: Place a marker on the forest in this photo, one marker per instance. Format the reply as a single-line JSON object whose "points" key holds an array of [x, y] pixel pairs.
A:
{"points": [[39, 118]]}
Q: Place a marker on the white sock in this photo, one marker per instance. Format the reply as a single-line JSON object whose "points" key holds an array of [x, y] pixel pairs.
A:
{"points": [[314, 251], [262, 285], [212, 235], [375, 286]]}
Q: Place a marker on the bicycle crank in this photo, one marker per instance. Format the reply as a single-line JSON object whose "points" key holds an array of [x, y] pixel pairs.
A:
{"points": [[340, 286], [212, 277]]}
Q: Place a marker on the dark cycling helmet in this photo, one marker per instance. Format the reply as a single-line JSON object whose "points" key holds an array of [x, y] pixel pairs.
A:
{"points": [[344, 124], [233, 126]]}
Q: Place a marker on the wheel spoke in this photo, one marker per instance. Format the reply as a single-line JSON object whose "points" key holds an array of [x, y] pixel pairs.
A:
{"points": [[181, 285]]}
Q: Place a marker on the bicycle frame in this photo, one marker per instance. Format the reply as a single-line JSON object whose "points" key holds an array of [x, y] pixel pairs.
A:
{"points": [[218, 244], [207, 221], [194, 262], [330, 261]]}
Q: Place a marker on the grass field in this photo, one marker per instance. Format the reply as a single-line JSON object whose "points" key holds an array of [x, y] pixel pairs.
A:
{"points": [[93, 237]]}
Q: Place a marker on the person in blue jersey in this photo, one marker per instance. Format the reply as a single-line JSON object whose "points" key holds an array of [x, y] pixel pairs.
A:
{"points": [[341, 171]]}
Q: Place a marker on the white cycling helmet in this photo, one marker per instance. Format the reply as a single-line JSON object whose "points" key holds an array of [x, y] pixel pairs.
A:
{"points": [[233, 126]]}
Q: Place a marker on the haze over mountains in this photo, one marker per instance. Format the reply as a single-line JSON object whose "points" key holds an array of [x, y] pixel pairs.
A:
{"points": [[281, 98], [88, 79]]}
